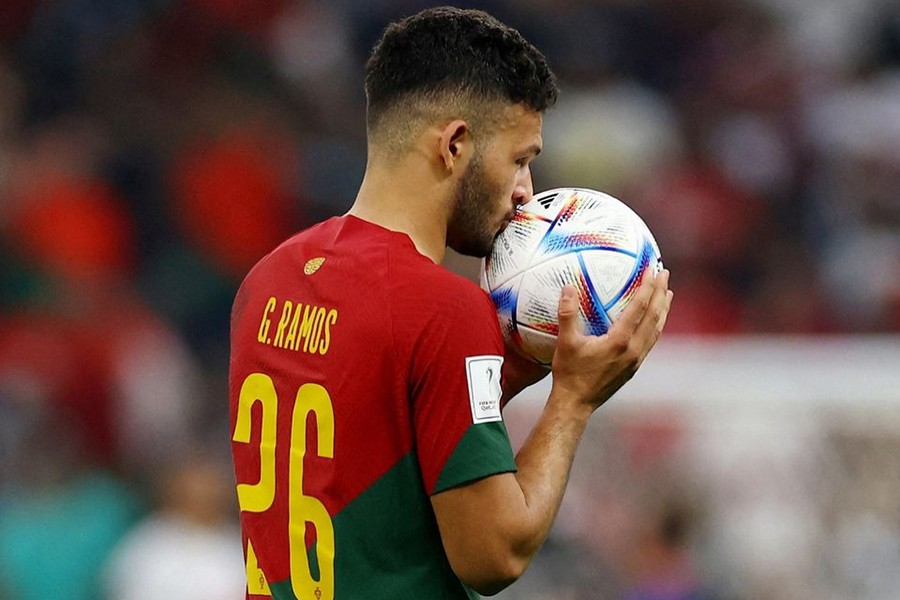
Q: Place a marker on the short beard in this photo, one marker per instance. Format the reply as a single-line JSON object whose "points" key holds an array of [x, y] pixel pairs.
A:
{"points": [[468, 232]]}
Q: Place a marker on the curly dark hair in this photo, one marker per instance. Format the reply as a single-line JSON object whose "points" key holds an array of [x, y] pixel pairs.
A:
{"points": [[451, 52]]}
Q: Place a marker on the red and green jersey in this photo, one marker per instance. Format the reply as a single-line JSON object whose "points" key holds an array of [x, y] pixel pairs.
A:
{"points": [[364, 378]]}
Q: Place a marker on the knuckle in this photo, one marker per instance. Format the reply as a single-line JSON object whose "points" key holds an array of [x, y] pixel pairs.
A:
{"points": [[628, 354], [634, 355], [619, 342], [642, 301]]}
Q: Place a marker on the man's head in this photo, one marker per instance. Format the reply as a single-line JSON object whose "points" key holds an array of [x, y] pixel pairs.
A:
{"points": [[482, 87], [451, 62]]}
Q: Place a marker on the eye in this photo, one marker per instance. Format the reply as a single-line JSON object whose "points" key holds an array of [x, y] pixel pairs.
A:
{"points": [[522, 162]]}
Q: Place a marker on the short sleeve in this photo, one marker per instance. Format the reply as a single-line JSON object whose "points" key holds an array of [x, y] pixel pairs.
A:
{"points": [[455, 367]]}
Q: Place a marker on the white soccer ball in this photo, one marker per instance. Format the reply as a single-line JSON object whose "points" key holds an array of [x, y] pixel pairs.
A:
{"points": [[566, 236]]}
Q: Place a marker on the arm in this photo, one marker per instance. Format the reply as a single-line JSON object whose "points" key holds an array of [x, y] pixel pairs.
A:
{"points": [[489, 549]]}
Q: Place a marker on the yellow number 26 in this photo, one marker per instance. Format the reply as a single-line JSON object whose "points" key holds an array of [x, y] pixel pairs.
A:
{"points": [[302, 509]]}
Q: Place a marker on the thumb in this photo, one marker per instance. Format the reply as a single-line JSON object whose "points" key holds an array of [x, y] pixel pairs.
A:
{"points": [[568, 311]]}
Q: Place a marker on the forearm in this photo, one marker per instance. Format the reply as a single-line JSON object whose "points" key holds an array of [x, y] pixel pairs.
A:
{"points": [[491, 549], [544, 463]]}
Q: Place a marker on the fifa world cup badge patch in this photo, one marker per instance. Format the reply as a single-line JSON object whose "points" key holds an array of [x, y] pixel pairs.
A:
{"points": [[485, 392]]}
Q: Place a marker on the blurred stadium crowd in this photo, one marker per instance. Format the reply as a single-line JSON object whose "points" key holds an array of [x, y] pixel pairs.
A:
{"points": [[152, 150]]}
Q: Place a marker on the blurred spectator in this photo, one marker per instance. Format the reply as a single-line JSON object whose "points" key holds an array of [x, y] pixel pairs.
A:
{"points": [[608, 137], [662, 568], [78, 229], [84, 336], [710, 233], [232, 197], [59, 517], [44, 366], [128, 388], [856, 132], [189, 546]]}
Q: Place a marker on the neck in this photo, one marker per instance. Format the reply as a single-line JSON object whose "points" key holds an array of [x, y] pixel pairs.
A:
{"points": [[403, 198]]}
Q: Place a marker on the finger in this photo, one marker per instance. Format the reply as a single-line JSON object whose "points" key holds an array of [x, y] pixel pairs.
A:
{"points": [[661, 288], [661, 324], [638, 305], [654, 320], [568, 311]]}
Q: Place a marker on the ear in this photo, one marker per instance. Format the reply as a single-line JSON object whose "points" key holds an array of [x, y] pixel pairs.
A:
{"points": [[455, 144]]}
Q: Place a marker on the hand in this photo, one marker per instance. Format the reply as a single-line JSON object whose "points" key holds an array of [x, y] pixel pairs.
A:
{"points": [[590, 369]]}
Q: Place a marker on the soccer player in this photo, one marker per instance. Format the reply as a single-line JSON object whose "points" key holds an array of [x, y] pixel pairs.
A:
{"points": [[365, 385]]}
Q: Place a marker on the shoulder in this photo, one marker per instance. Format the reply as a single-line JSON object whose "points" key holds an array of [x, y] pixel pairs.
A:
{"points": [[443, 314], [441, 290]]}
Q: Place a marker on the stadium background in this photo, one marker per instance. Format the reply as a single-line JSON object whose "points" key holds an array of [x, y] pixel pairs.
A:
{"points": [[152, 150]]}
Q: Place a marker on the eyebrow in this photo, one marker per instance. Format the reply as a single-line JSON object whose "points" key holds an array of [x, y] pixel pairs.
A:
{"points": [[534, 149]]}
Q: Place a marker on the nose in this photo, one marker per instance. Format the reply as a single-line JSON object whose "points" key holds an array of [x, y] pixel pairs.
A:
{"points": [[524, 189]]}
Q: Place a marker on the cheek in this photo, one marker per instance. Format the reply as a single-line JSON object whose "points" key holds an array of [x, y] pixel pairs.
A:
{"points": [[502, 192], [506, 186], [499, 184]]}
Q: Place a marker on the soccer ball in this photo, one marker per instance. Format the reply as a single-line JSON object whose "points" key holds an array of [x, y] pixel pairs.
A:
{"points": [[573, 236]]}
